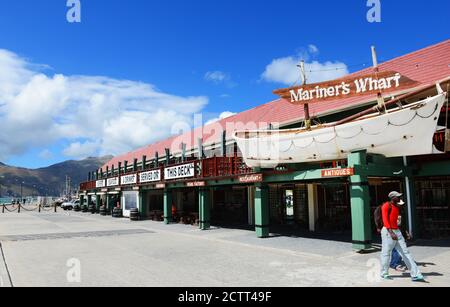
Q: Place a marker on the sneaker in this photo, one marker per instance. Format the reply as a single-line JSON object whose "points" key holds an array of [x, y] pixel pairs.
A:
{"points": [[401, 268], [418, 278], [386, 277]]}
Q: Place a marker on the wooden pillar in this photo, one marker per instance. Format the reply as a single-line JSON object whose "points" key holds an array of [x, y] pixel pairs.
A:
{"points": [[205, 208], [144, 162], [313, 206], [262, 216], [168, 200], [360, 202], [167, 156]]}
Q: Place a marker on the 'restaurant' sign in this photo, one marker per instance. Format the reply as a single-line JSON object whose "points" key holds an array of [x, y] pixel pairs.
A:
{"points": [[100, 183], [251, 178], [128, 179], [151, 176], [387, 81], [112, 182], [180, 171], [340, 172]]}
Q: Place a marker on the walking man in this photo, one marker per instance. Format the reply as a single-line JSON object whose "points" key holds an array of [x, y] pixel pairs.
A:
{"points": [[392, 237]]}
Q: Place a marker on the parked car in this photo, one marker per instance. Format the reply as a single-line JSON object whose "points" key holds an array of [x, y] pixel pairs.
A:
{"points": [[68, 205]]}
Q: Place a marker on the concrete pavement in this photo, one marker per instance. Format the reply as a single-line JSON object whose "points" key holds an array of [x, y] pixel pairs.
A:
{"points": [[76, 249]]}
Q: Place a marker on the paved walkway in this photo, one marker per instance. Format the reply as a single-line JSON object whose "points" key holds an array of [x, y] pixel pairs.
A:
{"points": [[76, 249]]}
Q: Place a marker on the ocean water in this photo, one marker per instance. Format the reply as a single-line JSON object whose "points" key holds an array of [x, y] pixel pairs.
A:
{"points": [[6, 200]]}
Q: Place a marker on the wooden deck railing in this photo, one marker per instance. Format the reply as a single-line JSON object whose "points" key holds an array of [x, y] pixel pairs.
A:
{"points": [[210, 168]]}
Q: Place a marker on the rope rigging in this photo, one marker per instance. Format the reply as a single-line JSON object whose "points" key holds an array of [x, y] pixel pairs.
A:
{"points": [[314, 140]]}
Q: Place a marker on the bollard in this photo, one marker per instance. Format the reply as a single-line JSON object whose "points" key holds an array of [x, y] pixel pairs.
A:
{"points": [[39, 208], [55, 207], [3, 210], [18, 210]]}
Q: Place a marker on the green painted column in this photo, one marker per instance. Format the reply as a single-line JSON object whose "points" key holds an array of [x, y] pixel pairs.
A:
{"points": [[89, 199], [108, 203], [97, 201], [81, 201], [168, 206], [142, 204], [262, 217], [204, 200], [360, 202], [411, 221]]}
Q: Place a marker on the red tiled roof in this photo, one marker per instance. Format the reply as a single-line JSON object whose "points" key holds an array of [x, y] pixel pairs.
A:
{"points": [[425, 66]]}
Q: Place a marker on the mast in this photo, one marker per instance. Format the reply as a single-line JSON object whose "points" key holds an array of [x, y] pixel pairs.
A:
{"points": [[306, 105], [380, 99]]}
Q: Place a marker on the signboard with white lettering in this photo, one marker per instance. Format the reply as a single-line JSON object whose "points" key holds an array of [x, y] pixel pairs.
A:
{"points": [[100, 183], [341, 172], [194, 184], [387, 81], [151, 176], [128, 179], [112, 182], [254, 178], [180, 171]]}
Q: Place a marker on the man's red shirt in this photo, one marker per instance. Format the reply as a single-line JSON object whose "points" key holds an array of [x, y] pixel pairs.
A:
{"points": [[390, 221]]}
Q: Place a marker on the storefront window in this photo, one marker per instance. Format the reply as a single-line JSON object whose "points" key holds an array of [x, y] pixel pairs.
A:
{"points": [[433, 206], [130, 200]]}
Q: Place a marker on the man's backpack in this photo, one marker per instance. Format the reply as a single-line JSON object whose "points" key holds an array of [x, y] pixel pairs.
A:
{"points": [[378, 216]]}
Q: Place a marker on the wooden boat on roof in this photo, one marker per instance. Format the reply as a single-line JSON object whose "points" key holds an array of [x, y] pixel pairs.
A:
{"points": [[406, 130]]}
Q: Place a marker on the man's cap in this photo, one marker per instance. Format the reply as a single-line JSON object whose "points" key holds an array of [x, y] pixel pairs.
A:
{"points": [[394, 194]]}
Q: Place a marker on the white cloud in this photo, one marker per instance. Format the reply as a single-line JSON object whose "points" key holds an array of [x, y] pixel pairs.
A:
{"points": [[313, 49], [285, 70], [220, 77], [46, 154], [96, 115], [222, 115], [81, 150], [217, 76]]}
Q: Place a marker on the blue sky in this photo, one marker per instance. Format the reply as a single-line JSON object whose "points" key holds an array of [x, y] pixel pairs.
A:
{"points": [[202, 56]]}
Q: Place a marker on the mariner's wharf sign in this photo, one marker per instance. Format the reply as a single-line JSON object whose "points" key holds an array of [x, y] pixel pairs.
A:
{"points": [[180, 171], [387, 81], [128, 179], [151, 176], [112, 182]]}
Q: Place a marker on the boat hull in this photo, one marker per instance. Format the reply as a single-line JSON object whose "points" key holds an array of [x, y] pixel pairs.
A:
{"points": [[402, 132]]}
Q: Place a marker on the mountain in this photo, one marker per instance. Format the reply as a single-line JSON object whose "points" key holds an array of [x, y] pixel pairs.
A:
{"points": [[46, 181]]}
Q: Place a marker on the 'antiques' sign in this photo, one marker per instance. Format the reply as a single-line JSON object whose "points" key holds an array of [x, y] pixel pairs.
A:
{"points": [[340, 172], [112, 182], [251, 178], [151, 176], [128, 179], [100, 183], [387, 81], [180, 171]]}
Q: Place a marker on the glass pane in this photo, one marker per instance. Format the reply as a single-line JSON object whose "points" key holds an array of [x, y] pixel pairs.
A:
{"points": [[130, 200], [289, 201]]}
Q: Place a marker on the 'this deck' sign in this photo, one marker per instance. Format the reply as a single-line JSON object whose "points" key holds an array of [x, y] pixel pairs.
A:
{"points": [[387, 81], [180, 171]]}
